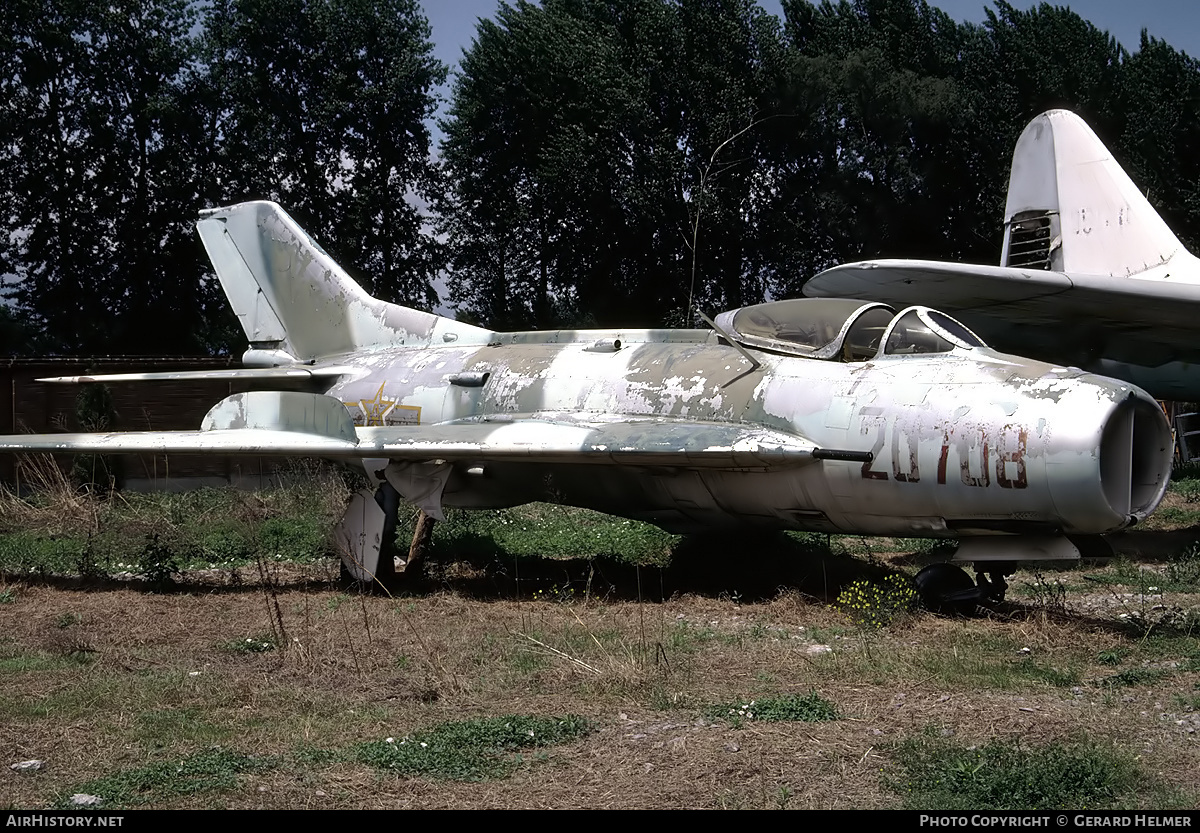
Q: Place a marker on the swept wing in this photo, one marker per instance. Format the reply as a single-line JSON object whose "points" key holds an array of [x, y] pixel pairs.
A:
{"points": [[291, 423]]}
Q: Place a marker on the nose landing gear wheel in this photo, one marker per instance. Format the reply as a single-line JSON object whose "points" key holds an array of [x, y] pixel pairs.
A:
{"points": [[944, 588]]}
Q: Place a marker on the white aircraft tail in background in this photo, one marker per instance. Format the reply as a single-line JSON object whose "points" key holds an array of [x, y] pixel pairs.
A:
{"points": [[1090, 274], [1071, 208]]}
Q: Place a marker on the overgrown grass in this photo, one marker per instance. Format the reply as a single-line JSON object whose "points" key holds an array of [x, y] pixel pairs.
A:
{"points": [[1180, 574], [978, 659], [540, 530], [1004, 775], [1134, 677], [471, 750], [156, 535], [58, 531]]}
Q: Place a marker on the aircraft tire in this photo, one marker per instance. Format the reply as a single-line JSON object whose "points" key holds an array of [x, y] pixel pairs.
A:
{"points": [[938, 581]]}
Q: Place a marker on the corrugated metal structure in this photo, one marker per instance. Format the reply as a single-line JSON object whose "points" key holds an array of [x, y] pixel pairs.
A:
{"points": [[27, 405]]}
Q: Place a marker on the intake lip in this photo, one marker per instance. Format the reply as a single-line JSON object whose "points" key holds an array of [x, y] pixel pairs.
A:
{"points": [[1135, 457]]}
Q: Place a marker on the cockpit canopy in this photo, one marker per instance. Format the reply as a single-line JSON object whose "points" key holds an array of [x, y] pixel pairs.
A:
{"points": [[845, 330]]}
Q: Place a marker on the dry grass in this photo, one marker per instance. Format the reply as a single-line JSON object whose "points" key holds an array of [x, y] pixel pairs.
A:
{"points": [[60, 506], [110, 680], [258, 684]]}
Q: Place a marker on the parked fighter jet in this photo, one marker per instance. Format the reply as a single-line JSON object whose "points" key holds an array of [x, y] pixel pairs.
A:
{"points": [[1090, 275], [812, 414]]}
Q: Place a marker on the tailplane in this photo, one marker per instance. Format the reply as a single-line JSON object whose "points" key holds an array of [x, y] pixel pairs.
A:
{"points": [[1071, 208], [295, 303]]}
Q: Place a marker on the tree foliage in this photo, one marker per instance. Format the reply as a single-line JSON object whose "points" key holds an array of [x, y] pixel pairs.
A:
{"points": [[90, 166], [321, 106], [122, 119], [604, 162]]}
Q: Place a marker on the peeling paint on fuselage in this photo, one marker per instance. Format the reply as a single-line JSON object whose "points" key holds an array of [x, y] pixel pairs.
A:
{"points": [[966, 441]]}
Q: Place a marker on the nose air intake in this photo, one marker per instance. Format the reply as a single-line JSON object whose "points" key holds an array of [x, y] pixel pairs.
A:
{"points": [[1135, 457]]}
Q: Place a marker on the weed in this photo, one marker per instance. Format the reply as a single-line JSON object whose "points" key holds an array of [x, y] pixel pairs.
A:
{"points": [[1134, 677], [66, 620], [1004, 775], [985, 660], [471, 750], [665, 700], [292, 539], [156, 562], [160, 727], [54, 505], [541, 530], [935, 549], [687, 638], [87, 565], [207, 771], [336, 602], [559, 595], [251, 644], [526, 660], [95, 411], [1188, 702], [807, 708], [1112, 656], [1049, 595], [1182, 571], [1057, 677], [224, 544], [7, 595], [729, 801], [877, 604]]}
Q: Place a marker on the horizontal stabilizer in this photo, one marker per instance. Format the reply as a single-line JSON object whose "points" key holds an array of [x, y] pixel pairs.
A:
{"points": [[252, 374]]}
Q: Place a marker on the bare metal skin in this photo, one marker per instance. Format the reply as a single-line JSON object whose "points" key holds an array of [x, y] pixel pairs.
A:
{"points": [[816, 414]]}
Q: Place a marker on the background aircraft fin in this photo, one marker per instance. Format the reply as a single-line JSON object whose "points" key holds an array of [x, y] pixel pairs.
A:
{"points": [[1071, 208]]}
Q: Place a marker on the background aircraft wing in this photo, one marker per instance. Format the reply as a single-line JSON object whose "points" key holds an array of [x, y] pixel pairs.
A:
{"points": [[1070, 318]]}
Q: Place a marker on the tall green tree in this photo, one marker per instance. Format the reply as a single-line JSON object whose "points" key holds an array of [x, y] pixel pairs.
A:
{"points": [[580, 145], [321, 105], [530, 147], [892, 119], [94, 231], [1159, 108]]}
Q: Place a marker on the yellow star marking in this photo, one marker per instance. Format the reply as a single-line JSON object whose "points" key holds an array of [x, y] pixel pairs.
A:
{"points": [[376, 409]]}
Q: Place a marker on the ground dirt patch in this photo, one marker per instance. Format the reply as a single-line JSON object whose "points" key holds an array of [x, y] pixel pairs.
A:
{"points": [[695, 681], [103, 682]]}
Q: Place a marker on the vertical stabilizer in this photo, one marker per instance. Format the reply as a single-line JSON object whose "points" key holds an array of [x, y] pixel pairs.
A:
{"points": [[295, 303], [1072, 208]]}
